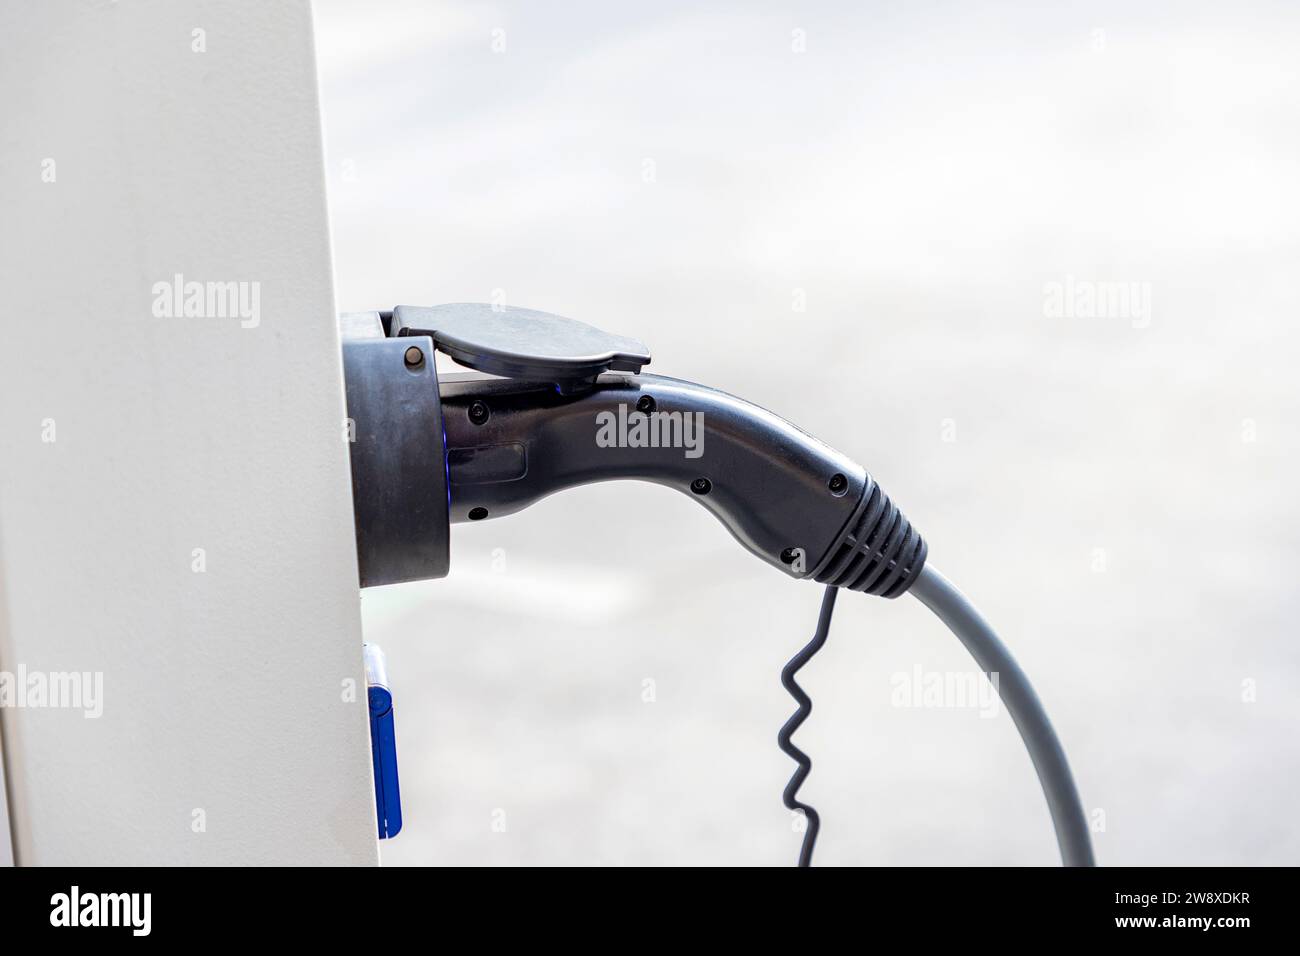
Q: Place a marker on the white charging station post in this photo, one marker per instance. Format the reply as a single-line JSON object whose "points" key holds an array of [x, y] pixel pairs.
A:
{"points": [[175, 509]]}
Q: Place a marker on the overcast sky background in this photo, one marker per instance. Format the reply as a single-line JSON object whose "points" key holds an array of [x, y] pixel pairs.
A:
{"points": [[1116, 493]]}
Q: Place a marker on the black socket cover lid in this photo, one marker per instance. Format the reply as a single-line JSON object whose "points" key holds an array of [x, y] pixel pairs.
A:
{"points": [[520, 343]]}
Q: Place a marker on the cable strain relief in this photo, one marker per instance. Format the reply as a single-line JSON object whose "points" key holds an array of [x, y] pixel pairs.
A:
{"points": [[878, 552]]}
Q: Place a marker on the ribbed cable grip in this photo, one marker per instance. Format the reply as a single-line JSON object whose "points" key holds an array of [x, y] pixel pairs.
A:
{"points": [[879, 552]]}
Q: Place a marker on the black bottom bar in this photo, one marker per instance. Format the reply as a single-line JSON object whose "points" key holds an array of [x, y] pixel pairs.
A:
{"points": [[1164, 906]]}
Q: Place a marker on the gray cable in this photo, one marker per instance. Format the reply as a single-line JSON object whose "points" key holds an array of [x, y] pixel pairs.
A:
{"points": [[938, 594]]}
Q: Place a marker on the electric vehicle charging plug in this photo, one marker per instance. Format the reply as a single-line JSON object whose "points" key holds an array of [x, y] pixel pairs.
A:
{"points": [[554, 403]]}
